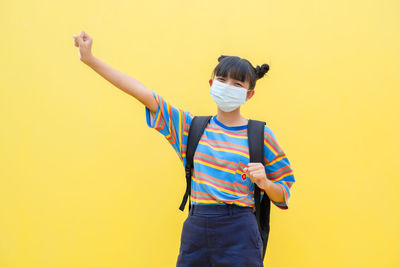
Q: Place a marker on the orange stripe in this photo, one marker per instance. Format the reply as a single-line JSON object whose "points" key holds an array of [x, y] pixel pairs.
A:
{"points": [[275, 144]]}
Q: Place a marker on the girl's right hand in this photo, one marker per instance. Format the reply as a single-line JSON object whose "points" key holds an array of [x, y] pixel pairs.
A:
{"points": [[84, 42]]}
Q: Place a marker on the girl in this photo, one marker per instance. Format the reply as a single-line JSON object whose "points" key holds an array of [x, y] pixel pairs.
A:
{"points": [[221, 229]]}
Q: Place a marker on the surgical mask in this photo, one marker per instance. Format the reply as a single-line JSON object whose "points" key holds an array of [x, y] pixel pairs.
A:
{"points": [[226, 96]]}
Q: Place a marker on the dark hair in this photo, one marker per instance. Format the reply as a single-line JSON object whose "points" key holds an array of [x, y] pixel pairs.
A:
{"points": [[239, 69]]}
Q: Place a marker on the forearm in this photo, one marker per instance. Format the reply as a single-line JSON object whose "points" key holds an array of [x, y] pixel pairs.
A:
{"points": [[123, 81], [274, 191]]}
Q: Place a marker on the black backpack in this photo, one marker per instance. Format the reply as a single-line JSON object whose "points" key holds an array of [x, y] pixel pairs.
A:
{"points": [[255, 132]]}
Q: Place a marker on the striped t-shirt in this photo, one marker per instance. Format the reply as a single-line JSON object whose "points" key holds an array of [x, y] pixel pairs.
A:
{"points": [[220, 157]]}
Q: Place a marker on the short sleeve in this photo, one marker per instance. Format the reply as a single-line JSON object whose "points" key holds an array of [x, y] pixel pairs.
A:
{"points": [[277, 166], [173, 123]]}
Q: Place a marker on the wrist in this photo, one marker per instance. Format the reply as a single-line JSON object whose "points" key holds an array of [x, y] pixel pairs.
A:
{"points": [[265, 184], [88, 59]]}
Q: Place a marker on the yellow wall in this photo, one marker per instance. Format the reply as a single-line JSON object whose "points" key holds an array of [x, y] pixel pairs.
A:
{"points": [[78, 161]]}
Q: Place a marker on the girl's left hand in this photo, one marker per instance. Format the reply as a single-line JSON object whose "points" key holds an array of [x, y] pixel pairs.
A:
{"points": [[256, 172], [84, 42]]}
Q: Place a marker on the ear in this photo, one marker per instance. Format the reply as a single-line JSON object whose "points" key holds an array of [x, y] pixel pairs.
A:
{"points": [[210, 82], [250, 94]]}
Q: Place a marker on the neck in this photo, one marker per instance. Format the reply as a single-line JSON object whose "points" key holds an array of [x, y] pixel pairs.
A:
{"points": [[233, 118]]}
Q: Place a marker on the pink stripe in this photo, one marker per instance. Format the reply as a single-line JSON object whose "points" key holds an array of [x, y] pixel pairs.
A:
{"points": [[222, 181], [277, 171], [216, 159], [227, 143], [215, 164], [221, 129], [283, 173], [230, 148], [224, 187], [275, 145], [226, 201]]}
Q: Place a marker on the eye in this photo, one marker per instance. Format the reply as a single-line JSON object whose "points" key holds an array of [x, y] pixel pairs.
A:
{"points": [[222, 79]]}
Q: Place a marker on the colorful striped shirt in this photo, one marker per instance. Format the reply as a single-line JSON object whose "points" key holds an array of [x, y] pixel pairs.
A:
{"points": [[222, 153]]}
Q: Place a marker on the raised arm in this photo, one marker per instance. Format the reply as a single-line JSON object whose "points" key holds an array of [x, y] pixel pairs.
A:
{"points": [[121, 80]]}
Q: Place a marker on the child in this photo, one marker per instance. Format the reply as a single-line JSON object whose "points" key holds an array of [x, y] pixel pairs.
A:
{"points": [[221, 229]]}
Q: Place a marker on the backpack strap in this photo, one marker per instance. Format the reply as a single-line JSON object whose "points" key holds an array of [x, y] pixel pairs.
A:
{"points": [[255, 134], [196, 130]]}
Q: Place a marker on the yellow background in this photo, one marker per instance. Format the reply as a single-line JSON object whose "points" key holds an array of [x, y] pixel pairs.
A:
{"points": [[85, 182]]}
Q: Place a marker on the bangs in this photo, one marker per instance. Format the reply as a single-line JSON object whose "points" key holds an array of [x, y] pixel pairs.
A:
{"points": [[235, 68]]}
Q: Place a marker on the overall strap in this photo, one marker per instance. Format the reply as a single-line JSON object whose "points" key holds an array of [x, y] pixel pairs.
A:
{"points": [[196, 130]]}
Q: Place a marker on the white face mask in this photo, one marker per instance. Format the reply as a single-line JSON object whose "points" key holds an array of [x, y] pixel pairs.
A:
{"points": [[226, 96]]}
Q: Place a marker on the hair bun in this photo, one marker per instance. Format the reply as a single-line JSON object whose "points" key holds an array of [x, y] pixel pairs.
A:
{"points": [[222, 57], [260, 71]]}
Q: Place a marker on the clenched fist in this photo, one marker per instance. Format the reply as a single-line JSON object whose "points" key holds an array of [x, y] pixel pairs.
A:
{"points": [[256, 172], [84, 42]]}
